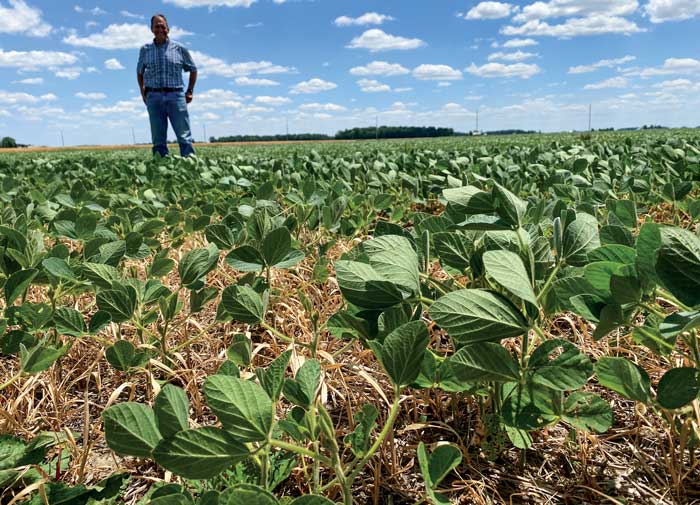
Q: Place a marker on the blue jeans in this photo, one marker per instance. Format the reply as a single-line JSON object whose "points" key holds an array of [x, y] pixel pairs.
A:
{"points": [[161, 107]]}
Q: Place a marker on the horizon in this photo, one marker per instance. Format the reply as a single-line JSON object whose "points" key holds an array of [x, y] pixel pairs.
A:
{"points": [[321, 67]]}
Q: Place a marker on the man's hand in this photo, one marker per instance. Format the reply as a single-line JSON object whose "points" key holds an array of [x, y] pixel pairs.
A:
{"points": [[188, 96], [143, 96]]}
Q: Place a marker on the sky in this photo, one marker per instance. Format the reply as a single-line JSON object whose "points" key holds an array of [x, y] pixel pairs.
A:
{"points": [[69, 67]]}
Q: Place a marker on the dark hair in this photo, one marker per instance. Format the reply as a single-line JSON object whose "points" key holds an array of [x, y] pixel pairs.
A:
{"points": [[153, 18]]}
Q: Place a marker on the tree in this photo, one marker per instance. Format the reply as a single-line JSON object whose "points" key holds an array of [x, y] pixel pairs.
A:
{"points": [[8, 142]]}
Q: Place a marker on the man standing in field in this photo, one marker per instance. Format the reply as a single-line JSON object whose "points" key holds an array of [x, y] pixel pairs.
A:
{"points": [[159, 74]]}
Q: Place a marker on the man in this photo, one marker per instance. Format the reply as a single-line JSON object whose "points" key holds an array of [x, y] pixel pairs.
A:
{"points": [[159, 74]]}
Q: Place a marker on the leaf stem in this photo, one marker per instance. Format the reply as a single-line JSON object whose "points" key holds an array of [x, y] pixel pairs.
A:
{"points": [[281, 444], [12, 380], [548, 284]]}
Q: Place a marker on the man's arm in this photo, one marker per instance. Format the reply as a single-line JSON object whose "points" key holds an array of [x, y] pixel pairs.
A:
{"points": [[139, 78], [190, 86]]}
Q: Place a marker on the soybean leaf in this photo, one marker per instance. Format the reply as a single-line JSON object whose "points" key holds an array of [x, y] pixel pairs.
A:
{"points": [[483, 362], [476, 315], [436, 466], [17, 284], [171, 409], [240, 350], [678, 264], [559, 365], [678, 387], [580, 238], [121, 355], [40, 357], [302, 389], [363, 286], [365, 423], [624, 377], [246, 259], [587, 411], [508, 206], [272, 377], [276, 245], [200, 453], [454, 249], [402, 352], [130, 429], [241, 303], [119, 304], [243, 407], [247, 494], [508, 270], [310, 499], [393, 258], [59, 268], [69, 322]]}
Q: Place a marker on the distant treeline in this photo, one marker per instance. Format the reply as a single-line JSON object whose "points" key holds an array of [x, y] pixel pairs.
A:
{"points": [[509, 132], [393, 132], [271, 138]]}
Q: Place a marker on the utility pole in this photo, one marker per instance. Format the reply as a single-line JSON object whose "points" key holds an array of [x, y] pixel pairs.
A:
{"points": [[477, 119], [204, 128], [287, 123], [589, 116], [63, 144], [376, 128], [133, 135]]}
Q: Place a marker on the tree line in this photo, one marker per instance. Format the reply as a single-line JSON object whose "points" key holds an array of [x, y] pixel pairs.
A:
{"points": [[370, 132]]}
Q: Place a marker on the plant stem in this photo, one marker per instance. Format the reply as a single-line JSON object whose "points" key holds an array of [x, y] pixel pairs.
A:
{"points": [[277, 333], [303, 451], [425, 300], [548, 284], [12, 380]]}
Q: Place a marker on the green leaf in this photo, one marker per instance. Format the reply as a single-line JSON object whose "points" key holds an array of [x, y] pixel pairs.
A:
{"points": [[679, 322], [272, 378], [559, 365], [246, 259], [69, 322], [402, 352], [195, 264], [529, 406], [580, 238], [508, 270], [119, 304], [364, 287], [200, 453], [276, 245], [476, 315], [365, 423], [483, 362], [588, 412], [170, 494], [130, 429], [40, 357], [220, 235], [241, 349], [624, 377], [59, 268], [393, 258], [436, 466], [302, 389], [121, 355], [678, 387], [99, 274], [242, 303], [171, 409], [243, 407], [454, 249], [161, 267], [99, 320], [508, 206], [17, 284], [247, 494], [311, 499], [678, 264]]}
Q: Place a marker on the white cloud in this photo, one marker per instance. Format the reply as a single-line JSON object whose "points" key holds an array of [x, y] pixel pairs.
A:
{"points": [[217, 99], [91, 96], [12, 98], [522, 70], [30, 80], [248, 81], [490, 10], [660, 11], [513, 43], [375, 40], [128, 14], [133, 106], [380, 68], [369, 18], [188, 4], [681, 84], [36, 59], [473, 98], [113, 64], [120, 36], [96, 11], [216, 66], [253, 25], [516, 56], [312, 86], [322, 107], [582, 69], [427, 72], [575, 27], [402, 90], [272, 101], [70, 73], [576, 8], [444, 84], [372, 86], [613, 82], [20, 18], [671, 66]]}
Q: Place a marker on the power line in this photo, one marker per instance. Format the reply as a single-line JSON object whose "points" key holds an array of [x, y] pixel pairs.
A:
{"points": [[590, 106]]}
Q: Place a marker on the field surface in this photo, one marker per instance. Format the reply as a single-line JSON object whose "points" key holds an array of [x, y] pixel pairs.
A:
{"points": [[467, 320]]}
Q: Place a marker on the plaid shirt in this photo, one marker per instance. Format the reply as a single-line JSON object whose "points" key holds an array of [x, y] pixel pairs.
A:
{"points": [[162, 66]]}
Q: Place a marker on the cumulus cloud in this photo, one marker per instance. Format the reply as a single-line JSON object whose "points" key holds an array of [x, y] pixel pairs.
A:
{"points": [[36, 59], [90, 96], [516, 56], [311, 86], [272, 101], [660, 11], [369, 18], [249, 81], [12, 98], [608, 63], [372, 86], [188, 4], [513, 43], [576, 8], [120, 36], [322, 107], [216, 66], [671, 66], [427, 72], [30, 80], [380, 68], [575, 27], [20, 18], [128, 14], [522, 70], [113, 64], [490, 10], [613, 82], [376, 40]]}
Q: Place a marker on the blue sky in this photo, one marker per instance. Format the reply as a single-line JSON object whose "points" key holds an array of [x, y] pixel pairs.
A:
{"points": [[324, 65]]}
